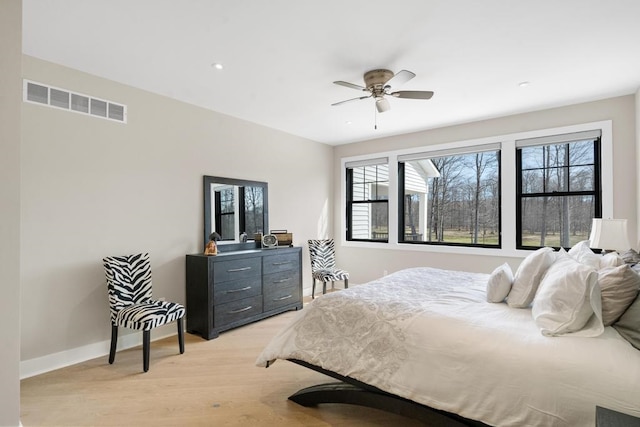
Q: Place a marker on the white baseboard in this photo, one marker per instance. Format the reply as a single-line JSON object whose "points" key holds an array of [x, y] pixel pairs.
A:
{"points": [[51, 362]]}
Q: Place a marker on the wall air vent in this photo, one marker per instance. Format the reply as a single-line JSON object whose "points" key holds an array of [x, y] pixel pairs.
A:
{"points": [[40, 93]]}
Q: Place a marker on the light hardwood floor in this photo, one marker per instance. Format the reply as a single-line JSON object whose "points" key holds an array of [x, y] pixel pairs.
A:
{"points": [[214, 383]]}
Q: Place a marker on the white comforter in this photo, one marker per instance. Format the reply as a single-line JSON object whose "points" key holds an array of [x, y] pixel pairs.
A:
{"points": [[430, 336]]}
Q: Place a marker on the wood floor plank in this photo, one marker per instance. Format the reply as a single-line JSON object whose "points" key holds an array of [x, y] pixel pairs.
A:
{"points": [[214, 383]]}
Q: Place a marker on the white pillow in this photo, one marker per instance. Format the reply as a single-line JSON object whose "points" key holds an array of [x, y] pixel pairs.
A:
{"points": [[612, 259], [499, 283], [582, 253], [568, 300], [528, 276], [619, 287]]}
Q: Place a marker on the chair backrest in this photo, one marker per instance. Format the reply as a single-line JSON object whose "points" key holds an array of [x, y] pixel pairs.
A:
{"points": [[322, 253], [128, 280]]}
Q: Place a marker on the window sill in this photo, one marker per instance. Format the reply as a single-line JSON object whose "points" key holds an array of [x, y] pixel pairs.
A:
{"points": [[458, 250]]}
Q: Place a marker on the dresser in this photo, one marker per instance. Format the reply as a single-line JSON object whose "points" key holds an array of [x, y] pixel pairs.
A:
{"points": [[235, 288]]}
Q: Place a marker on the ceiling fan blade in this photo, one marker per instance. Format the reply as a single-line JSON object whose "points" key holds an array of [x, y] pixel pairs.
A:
{"points": [[413, 94], [349, 100], [400, 78], [350, 85], [382, 105]]}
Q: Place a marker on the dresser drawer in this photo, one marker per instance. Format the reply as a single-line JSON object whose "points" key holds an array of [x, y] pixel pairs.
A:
{"points": [[280, 262], [237, 289], [236, 311], [243, 268], [281, 279], [280, 289], [281, 297]]}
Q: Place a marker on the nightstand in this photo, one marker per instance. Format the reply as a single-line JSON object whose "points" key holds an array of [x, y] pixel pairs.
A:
{"points": [[609, 418]]}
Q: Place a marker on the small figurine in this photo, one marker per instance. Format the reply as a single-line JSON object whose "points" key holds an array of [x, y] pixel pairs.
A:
{"points": [[212, 248], [243, 237]]}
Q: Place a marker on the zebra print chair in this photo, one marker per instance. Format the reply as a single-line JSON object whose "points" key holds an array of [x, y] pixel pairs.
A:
{"points": [[323, 265], [130, 303]]}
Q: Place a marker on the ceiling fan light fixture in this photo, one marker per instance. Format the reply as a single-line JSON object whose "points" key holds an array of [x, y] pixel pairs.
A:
{"points": [[382, 105]]}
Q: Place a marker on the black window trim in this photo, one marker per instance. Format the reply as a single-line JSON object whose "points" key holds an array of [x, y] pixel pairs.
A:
{"points": [[351, 202], [596, 192], [401, 196], [507, 142]]}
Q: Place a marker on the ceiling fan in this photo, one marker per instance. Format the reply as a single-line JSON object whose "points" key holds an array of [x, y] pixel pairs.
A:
{"points": [[380, 83]]}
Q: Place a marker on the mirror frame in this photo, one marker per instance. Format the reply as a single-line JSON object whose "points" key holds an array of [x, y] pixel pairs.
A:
{"points": [[237, 246]]}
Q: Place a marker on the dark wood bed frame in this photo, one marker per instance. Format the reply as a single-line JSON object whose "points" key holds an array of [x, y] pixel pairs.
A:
{"points": [[354, 392]]}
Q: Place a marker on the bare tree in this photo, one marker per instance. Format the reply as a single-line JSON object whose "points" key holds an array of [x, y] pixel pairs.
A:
{"points": [[450, 168], [253, 210], [481, 163]]}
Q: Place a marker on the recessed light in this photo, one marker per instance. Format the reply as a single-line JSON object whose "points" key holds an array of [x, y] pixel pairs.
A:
{"points": [[217, 66], [524, 84], [348, 122]]}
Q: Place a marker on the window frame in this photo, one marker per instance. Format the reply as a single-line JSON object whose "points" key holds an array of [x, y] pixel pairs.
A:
{"points": [[221, 215], [508, 189], [596, 192], [350, 202], [402, 194]]}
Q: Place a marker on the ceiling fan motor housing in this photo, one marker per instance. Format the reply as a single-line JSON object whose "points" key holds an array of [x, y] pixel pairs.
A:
{"points": [[374, 80]]}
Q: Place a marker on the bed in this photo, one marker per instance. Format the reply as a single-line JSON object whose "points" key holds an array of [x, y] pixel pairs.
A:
{"points": [[429, 338]]}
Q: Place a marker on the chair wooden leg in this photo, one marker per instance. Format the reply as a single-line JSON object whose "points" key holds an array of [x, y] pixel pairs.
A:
{"points": [[180, 336], [146, 343], [313, 288], [114, 341], [346, 283]]}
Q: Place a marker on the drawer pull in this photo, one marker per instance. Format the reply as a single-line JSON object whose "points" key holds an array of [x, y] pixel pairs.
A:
{"points": [[282, 280], [283, 298], [238, 290], [282, 263], [240, 310], [235, 270]]}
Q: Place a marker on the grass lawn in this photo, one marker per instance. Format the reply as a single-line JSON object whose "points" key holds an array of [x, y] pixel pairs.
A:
{"points": [[464, 237]]}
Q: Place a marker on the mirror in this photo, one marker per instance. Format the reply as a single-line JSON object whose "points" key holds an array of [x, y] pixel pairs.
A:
{"points": [[236, 209]]}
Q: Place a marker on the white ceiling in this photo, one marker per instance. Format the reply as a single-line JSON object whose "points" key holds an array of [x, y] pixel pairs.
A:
{"points": [[281, 56]]}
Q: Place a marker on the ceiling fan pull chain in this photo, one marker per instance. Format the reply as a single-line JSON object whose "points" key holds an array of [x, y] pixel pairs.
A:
{"points": [[375, 117]]}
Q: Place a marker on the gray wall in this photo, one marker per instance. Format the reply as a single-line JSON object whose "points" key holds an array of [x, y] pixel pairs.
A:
{"points": [[10, 95], [366, 264], [92, 188]]}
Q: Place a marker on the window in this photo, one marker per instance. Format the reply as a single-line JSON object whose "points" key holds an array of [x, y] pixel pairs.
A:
{"points": [[497, 195], [368, 200], [225, 212], [253, 209], [558, 189], [450, 197]]}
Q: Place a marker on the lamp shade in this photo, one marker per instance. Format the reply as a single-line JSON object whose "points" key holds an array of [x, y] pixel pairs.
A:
{"points": [[609, 234]]}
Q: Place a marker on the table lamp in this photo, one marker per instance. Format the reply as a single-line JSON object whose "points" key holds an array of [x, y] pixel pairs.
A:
{"points": [[609, 235]]}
